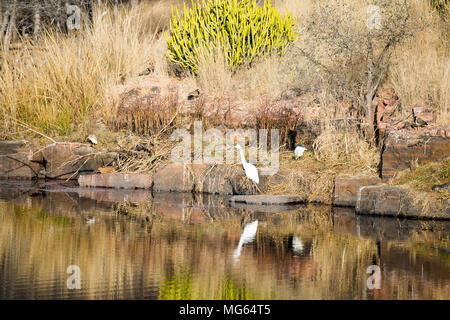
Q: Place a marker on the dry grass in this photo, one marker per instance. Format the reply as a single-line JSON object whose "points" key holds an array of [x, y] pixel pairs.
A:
{"points": [[424, 177], [343, 152], [345, 149], [420, 71], [60, 82]]}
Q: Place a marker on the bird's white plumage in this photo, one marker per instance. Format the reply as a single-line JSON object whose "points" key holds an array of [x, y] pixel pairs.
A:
{"points": [[250, 170], [92, 139], [247, 236], [298, 152]]}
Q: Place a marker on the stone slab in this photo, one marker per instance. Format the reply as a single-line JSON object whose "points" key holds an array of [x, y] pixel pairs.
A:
{"points": [[267, 199], [346, 189]]}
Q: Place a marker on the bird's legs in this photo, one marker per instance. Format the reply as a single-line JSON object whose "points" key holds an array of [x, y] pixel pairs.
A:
{"points": [[257, 188]]}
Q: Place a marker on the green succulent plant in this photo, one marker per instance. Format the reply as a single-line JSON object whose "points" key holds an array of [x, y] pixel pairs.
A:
{"points": [[243, 29]]}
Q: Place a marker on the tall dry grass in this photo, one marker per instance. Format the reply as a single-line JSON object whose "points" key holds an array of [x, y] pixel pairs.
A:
{"points": [[420, 70], [60, 83]]}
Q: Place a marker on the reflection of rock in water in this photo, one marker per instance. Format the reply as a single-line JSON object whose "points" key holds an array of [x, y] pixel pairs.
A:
{"points": [[386, 228], [247, 236]]}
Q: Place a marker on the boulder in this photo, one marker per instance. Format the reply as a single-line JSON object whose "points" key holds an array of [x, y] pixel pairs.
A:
{"points": [[346, 189], [422, 114], [399, 152], [385, 200], [202, 178], [174, 177], [69, 160], [16, 160]]}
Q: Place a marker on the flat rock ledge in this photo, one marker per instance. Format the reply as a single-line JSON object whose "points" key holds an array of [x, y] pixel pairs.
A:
{"points": [[385, 200], [267, 199]]}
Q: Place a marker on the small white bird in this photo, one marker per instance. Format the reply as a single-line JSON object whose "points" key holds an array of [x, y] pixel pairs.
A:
{"points": [[92, 139], [247, 236], [250, 170], [299, 150]]}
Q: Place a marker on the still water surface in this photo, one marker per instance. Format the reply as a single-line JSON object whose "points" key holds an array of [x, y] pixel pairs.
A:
{"points": [[176, 246]]}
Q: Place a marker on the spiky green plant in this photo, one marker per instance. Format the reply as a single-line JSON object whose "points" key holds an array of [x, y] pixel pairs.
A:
{"points": [[243, 29]]}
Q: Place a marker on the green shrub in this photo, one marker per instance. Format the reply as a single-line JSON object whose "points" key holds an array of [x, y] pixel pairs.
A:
{"points": [[244, 31]]}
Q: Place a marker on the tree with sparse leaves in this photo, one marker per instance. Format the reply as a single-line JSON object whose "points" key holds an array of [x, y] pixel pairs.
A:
{"points": [[353, 55]]}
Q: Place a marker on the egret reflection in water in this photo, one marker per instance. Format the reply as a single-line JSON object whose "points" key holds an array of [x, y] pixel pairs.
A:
{"points": [[247, 236], [297, 245]]}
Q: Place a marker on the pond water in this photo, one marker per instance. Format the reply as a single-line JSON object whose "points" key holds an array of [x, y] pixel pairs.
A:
{"points": [[136, 245]]}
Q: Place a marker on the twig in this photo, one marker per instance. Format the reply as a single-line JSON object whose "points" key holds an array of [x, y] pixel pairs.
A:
{"points": [[40, 133], [76, 172]]}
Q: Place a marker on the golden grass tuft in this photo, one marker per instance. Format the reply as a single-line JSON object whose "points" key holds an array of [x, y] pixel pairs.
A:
{"points": [[61, 81], [424, 177], [420, 71], [345, 149]]}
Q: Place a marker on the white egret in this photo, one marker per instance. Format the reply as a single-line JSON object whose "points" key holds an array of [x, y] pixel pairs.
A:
{"points": [[250, 170], [299, 150], [247, 236]]}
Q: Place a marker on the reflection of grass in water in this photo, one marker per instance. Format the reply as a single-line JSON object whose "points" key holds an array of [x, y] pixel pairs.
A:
{"points": [[180, 286], [114, 249], [39, 214], [176, 286], [230, 290], [426, 244]]}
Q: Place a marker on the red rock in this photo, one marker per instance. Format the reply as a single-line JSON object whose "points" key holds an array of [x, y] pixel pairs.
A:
{"points": [[417, 108], [202, 178], [173, 177], [15, 160], [425, 116], [346, 188], [397, 201], [400, 151], [69, 160], [107, 170]]}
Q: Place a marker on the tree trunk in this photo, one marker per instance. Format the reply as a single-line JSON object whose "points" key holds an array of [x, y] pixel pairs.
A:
{"points": [[36, 22], [5, 18], [370, 130], [11, 29]]}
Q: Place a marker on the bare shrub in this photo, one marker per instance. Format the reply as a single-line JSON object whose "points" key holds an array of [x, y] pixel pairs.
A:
{"points": [[352, 57]]}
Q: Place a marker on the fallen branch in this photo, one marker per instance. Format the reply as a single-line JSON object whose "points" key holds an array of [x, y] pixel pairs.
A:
{"points": [[35, 131]]}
